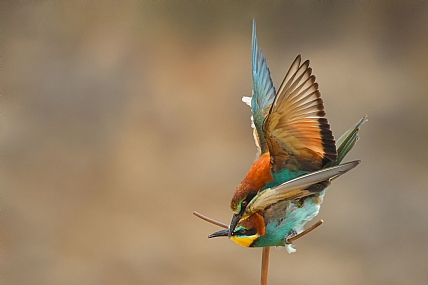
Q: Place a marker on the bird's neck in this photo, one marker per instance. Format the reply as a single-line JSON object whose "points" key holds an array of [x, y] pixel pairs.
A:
{"points": [[259, 173]]}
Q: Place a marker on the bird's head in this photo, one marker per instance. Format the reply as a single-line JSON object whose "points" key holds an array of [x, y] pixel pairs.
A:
{"points": [[256, 178], [246, 231], [239, 203]]}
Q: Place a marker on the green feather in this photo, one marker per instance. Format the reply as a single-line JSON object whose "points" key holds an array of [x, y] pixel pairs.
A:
{"points": [[346, 142], [283, 176]]}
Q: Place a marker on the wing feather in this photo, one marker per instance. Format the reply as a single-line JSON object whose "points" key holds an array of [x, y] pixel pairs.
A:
{"points": [[296, 132], [347, 141], [263, 93], [296, 188]]}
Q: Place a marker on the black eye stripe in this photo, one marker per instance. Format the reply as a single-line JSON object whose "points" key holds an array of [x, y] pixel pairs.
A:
{"points": [[251, 232], [244, 232], [249, 197]]}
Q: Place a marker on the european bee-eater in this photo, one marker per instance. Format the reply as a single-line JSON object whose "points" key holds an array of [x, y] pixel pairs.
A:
{"points": [[292, 135], [280, 212]]}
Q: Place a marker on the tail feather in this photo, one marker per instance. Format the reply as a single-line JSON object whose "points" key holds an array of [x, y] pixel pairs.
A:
{"points": [[346, 142]]}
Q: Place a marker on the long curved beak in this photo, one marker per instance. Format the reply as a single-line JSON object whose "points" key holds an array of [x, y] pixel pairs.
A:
{"points": [[221, 233], [234, 222]]}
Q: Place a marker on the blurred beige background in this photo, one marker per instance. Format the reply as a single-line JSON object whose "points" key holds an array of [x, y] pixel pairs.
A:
{"points": [[118, 119]]}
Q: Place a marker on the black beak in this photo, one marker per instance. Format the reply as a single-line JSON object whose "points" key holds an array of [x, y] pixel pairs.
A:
{"points": [[234, 222], [222, 233]]}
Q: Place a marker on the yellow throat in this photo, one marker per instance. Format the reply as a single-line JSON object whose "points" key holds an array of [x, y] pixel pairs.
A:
{"points": [[244, 240]]}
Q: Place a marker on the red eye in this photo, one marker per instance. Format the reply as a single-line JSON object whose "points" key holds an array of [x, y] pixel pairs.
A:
{"points": [[244, 203]]}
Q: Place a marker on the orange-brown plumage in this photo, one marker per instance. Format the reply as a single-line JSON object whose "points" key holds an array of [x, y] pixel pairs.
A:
{"points": [[256, 178], [297, 133], [255, 221]]}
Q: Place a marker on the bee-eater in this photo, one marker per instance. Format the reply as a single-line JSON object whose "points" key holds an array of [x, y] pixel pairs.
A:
{"points": [[291, 133], [280, 212]]}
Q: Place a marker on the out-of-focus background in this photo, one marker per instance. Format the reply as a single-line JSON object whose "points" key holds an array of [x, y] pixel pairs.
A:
{"points": [[118, 119]]}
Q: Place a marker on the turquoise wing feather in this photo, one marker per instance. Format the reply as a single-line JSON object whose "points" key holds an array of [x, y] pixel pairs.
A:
{"points": [[263, 91], [346, 142]]}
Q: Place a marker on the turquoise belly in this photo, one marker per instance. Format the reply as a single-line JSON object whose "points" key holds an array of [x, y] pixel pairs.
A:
{"points": [[289, 220]]}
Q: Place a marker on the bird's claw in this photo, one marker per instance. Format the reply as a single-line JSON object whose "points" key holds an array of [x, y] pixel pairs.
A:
{"points": [[290, 239]]}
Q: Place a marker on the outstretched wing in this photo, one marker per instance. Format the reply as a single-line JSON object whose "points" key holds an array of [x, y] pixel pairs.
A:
{"points": [[299, 187], [263, 92], [296, 131]]}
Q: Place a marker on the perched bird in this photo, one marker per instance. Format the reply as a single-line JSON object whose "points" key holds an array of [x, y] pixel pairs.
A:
{"points": [[280, 212], [291, 133]]}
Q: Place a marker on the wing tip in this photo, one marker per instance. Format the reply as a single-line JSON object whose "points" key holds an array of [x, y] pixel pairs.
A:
{"points": [[327, 140]]}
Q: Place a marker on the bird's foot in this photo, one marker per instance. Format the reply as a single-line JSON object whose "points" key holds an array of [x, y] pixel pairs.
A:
{"points": [[291, 238]]}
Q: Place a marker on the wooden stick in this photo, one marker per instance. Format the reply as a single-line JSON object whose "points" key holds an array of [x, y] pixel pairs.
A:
{"points": [[289, 240], [210, 220], [265, 265]]}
